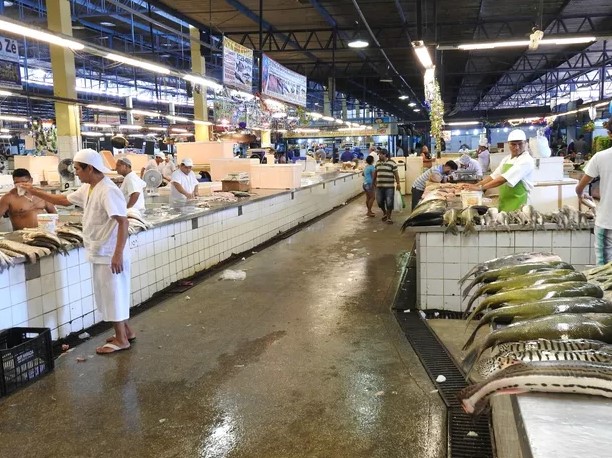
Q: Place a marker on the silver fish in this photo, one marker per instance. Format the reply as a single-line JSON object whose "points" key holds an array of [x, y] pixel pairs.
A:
{"points": [[550, 345], [577, 377], [32, 253]]}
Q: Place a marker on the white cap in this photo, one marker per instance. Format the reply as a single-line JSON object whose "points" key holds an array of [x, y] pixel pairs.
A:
{"points": [[160, 154], [91, 157], [517, 135], [464, 160], [125, 160], [483, 142], [187, 162]]}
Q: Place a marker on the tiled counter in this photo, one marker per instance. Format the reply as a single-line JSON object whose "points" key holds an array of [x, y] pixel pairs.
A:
{"points": [[57, 291], [442, 259]]}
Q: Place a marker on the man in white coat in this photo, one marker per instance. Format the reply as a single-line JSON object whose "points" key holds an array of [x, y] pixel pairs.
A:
{"points": [[105, 233], [484, 155], [184, 183], [132, 186]]}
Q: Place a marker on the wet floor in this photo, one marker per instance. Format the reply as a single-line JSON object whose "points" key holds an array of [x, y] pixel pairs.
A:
{"points": [[301, 359]]}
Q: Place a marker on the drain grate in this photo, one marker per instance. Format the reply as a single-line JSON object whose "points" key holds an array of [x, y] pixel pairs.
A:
{"points": [[437, 361]]}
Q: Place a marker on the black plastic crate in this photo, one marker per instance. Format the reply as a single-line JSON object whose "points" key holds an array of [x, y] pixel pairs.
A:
{"points": [[26, 354]]}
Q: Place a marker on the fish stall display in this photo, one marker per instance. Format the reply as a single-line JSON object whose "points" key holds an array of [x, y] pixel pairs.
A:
{"points": [[550, 329]]}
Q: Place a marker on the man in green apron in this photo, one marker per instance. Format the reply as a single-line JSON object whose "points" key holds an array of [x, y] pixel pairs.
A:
{"points": [[513, 176]]}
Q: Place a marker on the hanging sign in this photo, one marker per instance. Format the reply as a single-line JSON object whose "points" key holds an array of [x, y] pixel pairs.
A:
{"points": [[237, 65], [281, 83], [10, 74]]}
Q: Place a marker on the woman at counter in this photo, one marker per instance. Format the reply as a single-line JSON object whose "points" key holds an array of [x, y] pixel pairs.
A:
{"points": [[512, 176]]}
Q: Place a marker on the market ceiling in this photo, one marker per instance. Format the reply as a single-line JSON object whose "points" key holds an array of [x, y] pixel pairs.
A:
{"points": [[300, 35]]}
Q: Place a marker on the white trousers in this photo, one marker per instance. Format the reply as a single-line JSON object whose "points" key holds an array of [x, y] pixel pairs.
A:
{"points": [[112, 291]]}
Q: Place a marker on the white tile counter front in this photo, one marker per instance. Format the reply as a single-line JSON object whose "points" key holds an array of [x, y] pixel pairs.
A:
{"points": [[442, 259], [57, 291]]}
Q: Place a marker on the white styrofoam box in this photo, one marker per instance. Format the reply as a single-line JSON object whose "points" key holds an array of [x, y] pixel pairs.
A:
{"points": [[19, 313], [35, 307], [49, 301], [486, 254], [561, 239], [548, 169], [488, 239], [542, 240], [16, 275], [435, 239], [580, 256], [581, 239], [452, 271], [524, 239], [18, 293], [505, 239]]}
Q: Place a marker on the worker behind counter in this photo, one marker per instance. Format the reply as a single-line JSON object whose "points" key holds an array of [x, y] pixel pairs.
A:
{"points": [[157, 163], [184, 184], [132, 186], [21, 206], [513, 176], [435, 174], [467, 164]]}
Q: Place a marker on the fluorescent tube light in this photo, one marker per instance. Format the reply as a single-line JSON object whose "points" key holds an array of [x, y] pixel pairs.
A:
{"points": [[422, 53], [105, 108], [177, 118], [176, 129], [151, 114], [92, 134], [462, 123], [412, 104], [13, 118], [520, 43], [203, 82], [39, 35], [95, 125], [202, 123], [403, 97], [358, 43], [158, 129], [130, 126], [6, 136], [5, 93], [138, 63]]}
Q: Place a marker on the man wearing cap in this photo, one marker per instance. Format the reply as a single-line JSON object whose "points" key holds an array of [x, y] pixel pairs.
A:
{"points": [[467, 164], [132, 186], [184, 184], [513, 176], [169, 167], [105, 233], [600, 166], [157, 163], [484, 155]]}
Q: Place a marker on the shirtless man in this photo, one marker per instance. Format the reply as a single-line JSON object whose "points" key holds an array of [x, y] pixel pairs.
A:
{"points": [[23, 209]]}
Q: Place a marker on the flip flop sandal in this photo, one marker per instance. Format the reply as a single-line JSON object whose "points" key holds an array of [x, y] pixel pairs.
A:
{"points": [[113, 347], [110, 339]]}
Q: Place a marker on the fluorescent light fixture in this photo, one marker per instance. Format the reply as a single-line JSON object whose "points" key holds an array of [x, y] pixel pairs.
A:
{"points": [[130, 126], [92, 134], [177, 118], [327, 118], [5, 93], [386, 79], [138, 63], [281, 131], [136, 135], [158, 129], [176, 129], [358, 43], [95, 125], [422, 53], [520, 43], [105, 108], [107, 24], [412, 104], [151, 114], [13, 118], [403, 97], [184, 134], [462, 123], [602, 104], [6, 136], [315, 115], [5, 131], [203, 82], [39, 35], [202, 123], [416, 110]]}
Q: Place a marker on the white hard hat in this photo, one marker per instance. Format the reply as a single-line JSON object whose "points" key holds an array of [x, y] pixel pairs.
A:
{"points": [[517, 135], [91, 157]]}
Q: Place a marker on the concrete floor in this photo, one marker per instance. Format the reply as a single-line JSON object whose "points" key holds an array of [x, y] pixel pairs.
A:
{"points": [[301, 359]]}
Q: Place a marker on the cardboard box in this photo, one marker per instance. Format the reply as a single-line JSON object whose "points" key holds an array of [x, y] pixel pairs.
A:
{"points": [[235, 186]]}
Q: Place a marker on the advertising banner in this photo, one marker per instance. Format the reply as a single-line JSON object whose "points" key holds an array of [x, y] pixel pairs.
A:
{"points": [[237, 66], [10, 75], [281, 83]]}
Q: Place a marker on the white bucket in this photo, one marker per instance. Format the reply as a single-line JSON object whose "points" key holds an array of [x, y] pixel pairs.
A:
{"points": [[47, 221], [469, 198]]}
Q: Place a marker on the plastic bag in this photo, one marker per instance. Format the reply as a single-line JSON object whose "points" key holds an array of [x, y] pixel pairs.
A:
{"points": [[229, 274], [397, 202]]}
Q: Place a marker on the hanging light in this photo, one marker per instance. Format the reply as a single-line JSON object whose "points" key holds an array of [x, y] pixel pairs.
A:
{"points": [[358, 41], [422, 53]]}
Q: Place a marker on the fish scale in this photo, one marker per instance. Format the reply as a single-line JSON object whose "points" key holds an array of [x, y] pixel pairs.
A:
{"points": [[576, 377]]}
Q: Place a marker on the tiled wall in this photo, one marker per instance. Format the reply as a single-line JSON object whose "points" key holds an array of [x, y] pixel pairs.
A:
{"points": [[443, 258], [57, 292]]}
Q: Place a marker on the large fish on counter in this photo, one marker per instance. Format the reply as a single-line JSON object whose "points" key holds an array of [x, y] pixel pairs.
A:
{"points": [[574, 377], [505, 273], [595, 326], [545, 307], [550, 345], [536, 293], [428, 213], [509, 260], [491, 366], [532, 279]]}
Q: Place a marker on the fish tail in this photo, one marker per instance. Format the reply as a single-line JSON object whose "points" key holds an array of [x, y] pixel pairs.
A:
{"points": [[470, 340], [470, 286], [471, 272]]}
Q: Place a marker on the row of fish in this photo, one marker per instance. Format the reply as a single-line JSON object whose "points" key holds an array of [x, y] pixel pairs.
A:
{"points": [[137, 222], [557, 333]]}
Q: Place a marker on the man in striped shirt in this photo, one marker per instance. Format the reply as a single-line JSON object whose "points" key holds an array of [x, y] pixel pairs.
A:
{"points": [[436, 174], [385, 179]]}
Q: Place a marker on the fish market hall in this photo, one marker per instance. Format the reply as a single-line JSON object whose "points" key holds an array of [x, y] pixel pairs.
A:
{"points": [[200, 255]]}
